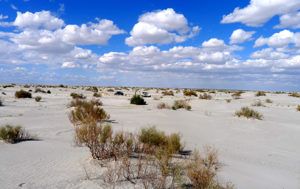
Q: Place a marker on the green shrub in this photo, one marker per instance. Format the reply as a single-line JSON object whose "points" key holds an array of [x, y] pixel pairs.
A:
{"points": [[38, 98], [205, 96], [22, 94], [77, 96], [249, 113], [260, 93], [178, 104], [189, 93], [86, 112], [138, 100], [13, 134], [155, 138]]}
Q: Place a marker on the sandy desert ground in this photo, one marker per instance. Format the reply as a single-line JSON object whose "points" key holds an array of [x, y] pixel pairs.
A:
{"points": [[260, 154]]}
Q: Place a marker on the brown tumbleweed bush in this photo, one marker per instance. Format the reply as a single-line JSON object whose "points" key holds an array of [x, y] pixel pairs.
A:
{"points": [[14, 134], [189, 93], [249, 113], [168, 93], [298, 108], [77, 96], [294, 94], [260, 93], [22, 94], [163, 105], [205, 96], [178, 104]]}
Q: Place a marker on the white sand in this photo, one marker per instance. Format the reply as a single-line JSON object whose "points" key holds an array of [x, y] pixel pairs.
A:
{"points": [[256, 154]]}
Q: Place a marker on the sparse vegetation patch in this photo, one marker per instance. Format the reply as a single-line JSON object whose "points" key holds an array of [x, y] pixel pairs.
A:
{"points": [[14, 134], [178, 104], [249, 113], [163, 105], [77, 96], [260, 93], [189, 93], [138, 100], [205, 96], [22, 94], [38, 98]]}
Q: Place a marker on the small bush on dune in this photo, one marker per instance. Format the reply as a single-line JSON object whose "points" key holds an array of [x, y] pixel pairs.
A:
{"points": [[260, 93], [1, 103], [23, 94], [237, 94], [268, 101], [97, 94], [86, 112], [258, 103], [13, 134], [202, 171], [178, 104], [92, 89], [294, 94], [39, 90], [189, 93], [298, 108], [77, 96], [205, 96], [168, 93], [137, 100], [249, 113], [48, 92], [163, 105], [38, 98]]}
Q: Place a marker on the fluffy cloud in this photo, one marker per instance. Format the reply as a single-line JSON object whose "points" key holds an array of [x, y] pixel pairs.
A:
{"points": [[291, 20], [161, 27], [279, 40], [213, 43], [260, 11], [38, 20], [240, 36]]}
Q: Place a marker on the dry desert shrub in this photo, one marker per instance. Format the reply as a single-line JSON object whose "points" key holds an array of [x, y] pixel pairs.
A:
{"points": [[77, 96], [137, 100], [237, 94], [258, 103], [92, 89], [22, 94], [295, 94], [178, 104], [163, 105], [205, 96], [1, 102], [260, 93], [298, 108], [14, 134], [190, 93], [38, 98], [228, 100], [97, 95], [202, 170], [269, 101], [39, 90], [249, 113], [168, 93]]}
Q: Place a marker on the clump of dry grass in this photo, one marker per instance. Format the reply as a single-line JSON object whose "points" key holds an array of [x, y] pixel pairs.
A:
{"points": [[295, 94], [77, 96], [190, 93], [96, 94], [298, 108], [237, 94], [228, 100], [38, 98], [1, 103], [163, 105], [14, 134], [137, 100], [249, 113], [39, 90], [178, 104], [168, 93], [22, 94], [268, 101], [92, 89], [258, 103], [260, 93], [205, 96]]}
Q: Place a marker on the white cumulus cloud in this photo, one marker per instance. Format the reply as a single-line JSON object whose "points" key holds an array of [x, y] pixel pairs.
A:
{"points": [[240, 36]]}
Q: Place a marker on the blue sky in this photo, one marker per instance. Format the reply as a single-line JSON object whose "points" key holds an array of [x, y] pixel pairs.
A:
{"points": [[237, 44]]}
